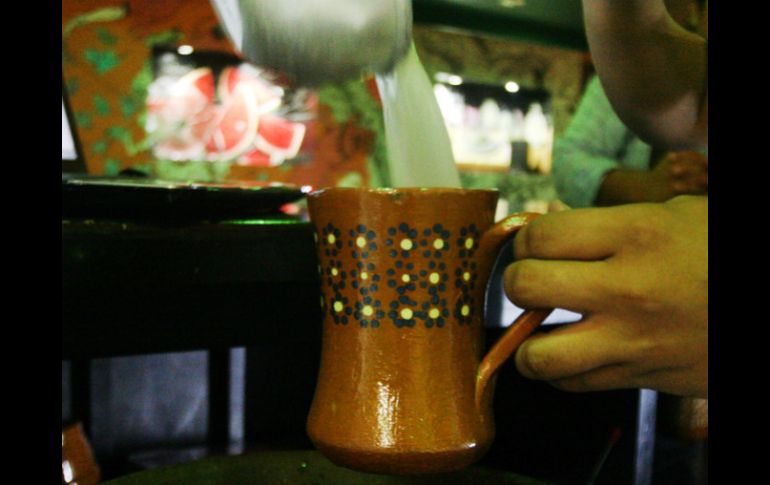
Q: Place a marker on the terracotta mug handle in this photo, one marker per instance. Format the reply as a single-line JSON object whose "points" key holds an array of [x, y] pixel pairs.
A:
{"points": [[490, 244]]}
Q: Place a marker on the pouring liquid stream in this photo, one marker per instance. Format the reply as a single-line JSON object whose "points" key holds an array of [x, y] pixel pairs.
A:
{"points": [[418, 146], [320, 42]]}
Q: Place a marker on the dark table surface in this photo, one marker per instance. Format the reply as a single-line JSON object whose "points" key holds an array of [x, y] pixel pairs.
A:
{"points": [[134, 287], [302, 467], [151, 266]]}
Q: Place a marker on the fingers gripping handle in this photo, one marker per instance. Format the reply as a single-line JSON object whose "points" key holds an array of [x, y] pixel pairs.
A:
{"points": [[491, 243], [504, 348]]}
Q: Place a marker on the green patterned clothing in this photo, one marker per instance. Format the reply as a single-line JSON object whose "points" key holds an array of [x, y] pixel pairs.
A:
{"points": [[595, 142]]}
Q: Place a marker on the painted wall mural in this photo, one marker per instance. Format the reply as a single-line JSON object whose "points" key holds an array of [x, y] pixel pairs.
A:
{"points": [[107, 64]]}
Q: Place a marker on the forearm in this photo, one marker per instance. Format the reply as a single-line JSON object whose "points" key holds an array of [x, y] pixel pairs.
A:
{"points": [[624, 187], [652, 70]]}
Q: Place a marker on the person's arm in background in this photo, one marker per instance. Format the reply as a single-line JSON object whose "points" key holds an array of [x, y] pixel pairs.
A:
{"points": [[589, 148], [677, 173], [588, 169], [653, 71]]}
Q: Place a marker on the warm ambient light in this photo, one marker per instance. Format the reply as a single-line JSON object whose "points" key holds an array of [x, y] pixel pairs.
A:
{"points": [[512, 87], [455, 80], [452, 79], [66, 470], [185, 50]]}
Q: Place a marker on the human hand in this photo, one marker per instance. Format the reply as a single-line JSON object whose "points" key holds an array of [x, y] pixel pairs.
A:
{"points": [[678, 173], [638, 274]]}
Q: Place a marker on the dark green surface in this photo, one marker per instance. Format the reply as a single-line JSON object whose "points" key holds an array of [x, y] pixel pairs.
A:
{"points": [[557, 23], [150, 199], [144, 287], [299, 468]]}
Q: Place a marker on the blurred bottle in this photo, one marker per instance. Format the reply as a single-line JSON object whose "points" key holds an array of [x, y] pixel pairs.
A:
{"points": [[539, 137], [519, 147]]}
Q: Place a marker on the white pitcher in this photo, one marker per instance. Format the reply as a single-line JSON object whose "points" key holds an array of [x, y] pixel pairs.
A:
{"points": [[318, 41]]}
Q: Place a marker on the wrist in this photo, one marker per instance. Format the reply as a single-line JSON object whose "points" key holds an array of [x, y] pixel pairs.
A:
{"points": [[626, 186]]}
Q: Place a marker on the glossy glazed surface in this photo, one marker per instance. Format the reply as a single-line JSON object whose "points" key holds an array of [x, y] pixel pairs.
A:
{"points": [[77, 458]]}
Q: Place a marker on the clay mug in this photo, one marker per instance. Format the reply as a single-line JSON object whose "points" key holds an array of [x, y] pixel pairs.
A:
{"points": [[402, 385]]}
